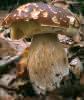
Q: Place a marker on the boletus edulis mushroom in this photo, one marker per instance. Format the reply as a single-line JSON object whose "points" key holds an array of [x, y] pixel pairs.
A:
{"points": [[59, 3], [47, 60]]}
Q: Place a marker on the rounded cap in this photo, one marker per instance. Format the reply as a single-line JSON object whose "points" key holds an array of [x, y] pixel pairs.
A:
{"points": [[44, 14]]}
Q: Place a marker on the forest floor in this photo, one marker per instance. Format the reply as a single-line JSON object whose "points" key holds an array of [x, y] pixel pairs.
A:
{"points": [[13, 87]]}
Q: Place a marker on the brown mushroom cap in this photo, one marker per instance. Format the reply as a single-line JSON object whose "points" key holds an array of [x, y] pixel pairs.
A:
{"points": [[44, 14]]}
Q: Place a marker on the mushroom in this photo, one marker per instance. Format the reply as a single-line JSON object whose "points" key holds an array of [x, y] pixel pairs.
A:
{"points": [[60, 3], [47, 60]]}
